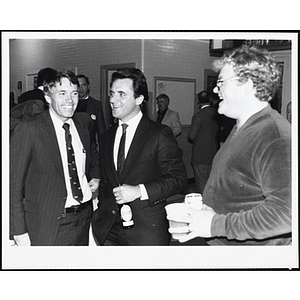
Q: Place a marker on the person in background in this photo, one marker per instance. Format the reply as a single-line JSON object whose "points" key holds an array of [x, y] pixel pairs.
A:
{"points": [[31, 103], [166, 116], [12, 101], [91, 106], [54, 168], [247, 199], [37, 93], [204, 134], [141, 166]]}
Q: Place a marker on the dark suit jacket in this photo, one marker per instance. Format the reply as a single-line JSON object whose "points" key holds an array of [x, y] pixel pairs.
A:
{"points": [[153, 159], [95, 111], [36, 175], [205, 136], [35, 94]]}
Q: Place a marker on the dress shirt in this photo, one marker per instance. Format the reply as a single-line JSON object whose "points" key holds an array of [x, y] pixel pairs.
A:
{"points": [[85, 98], [130, 132], [80, 157]]}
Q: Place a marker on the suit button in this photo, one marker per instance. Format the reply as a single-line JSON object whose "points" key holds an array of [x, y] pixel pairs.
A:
{"points": [[113, 212]]}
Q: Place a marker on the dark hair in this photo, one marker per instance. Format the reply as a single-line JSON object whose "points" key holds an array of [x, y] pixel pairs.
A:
{"points": [[138, 81], [85, 77], [251, 62], [55, 76], [203, 97], [41, 76], [163, 96]]}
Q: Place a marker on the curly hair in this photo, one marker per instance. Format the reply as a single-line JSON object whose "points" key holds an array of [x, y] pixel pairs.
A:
{"points": [[251, 62]]}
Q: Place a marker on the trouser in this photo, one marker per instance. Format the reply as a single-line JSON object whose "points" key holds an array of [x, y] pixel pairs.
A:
{"points": [[116, 236], [201, 173], [74, 228]]}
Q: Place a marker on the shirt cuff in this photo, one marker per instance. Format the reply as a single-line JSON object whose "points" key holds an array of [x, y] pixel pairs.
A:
{"points": [[143, 192]]}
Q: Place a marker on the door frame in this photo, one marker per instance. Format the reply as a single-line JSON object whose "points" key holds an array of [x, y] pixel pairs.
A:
{"points": [[105, 76]]}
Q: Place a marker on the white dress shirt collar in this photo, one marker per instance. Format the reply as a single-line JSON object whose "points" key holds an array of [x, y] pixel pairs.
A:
{"points": [[133, 122], [58, 123], [85, 98], [207, 105], [130, 132]]}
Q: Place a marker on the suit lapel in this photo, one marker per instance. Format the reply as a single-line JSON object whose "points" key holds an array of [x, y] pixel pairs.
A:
{"points": [[109, 156], [51, 144]]}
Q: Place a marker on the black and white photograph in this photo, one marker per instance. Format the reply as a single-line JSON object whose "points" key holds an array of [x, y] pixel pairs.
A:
{"points": [[149, 150]]}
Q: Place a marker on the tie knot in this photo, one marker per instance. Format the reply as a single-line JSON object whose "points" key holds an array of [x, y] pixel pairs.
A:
{"points": [[66, 126], [124, 126]]}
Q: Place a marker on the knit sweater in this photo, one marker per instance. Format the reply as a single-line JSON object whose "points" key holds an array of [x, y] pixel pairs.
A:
{"points": [[250, 184]]}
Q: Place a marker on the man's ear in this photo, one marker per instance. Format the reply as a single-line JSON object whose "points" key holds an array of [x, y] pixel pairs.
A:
{"points": [[249, 87], [48, 98], [139, 100]]}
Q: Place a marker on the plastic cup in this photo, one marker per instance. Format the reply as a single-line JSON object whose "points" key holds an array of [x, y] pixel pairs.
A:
{"points": [[174, 211]]}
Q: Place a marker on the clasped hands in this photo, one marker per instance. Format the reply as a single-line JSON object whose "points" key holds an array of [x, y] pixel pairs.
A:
{"points": [[126, 193], [198, 223]]}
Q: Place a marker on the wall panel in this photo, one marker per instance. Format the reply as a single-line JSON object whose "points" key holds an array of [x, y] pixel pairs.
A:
{"points": [[29, 56]]}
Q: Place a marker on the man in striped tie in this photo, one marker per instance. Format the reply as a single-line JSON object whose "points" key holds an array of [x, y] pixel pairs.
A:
{"points": [[56, 171]]}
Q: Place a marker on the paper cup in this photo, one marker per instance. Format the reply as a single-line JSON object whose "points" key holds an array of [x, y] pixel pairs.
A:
{"points": [[175, 210], [194, 200]]}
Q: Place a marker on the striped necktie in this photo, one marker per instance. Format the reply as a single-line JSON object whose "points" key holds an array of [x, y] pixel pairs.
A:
{"points": [[74, 180]]}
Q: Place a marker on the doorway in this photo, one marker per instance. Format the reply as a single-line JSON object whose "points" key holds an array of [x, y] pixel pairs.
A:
{"points": [[105, 76]]}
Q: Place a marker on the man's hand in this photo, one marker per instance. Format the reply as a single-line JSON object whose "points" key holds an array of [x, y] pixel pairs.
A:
{"points": [[199, 223], [94, 184], [126, 193], [22, 239]]}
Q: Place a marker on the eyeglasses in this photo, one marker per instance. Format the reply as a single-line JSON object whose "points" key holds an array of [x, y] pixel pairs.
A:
{"points": [[220, 82]]}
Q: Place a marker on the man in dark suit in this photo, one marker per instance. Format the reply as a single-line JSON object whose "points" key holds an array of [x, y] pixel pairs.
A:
{"points": [[91, 106], [50, 203], [152, 171], [37, 93], [204, 134]]}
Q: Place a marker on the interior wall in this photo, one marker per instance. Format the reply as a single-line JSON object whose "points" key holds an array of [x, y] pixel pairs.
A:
{"points": [[85, 56], [285, 58], [179, 59], [176, 58]]}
